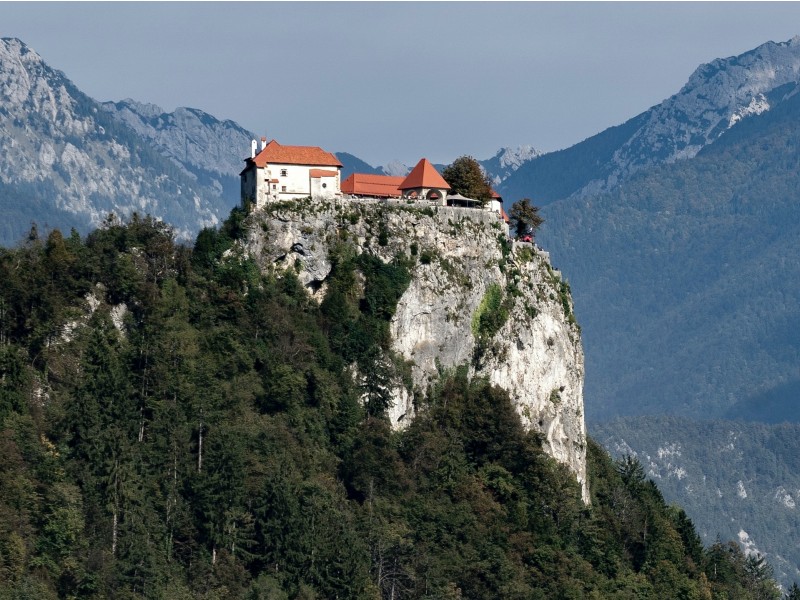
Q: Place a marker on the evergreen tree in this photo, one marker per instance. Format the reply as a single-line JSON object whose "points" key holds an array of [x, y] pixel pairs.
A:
{"points": [[526, 217]]}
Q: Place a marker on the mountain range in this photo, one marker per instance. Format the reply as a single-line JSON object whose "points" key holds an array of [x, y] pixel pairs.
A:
{"points": [[717, 97], [69, 161], [685, 272]]}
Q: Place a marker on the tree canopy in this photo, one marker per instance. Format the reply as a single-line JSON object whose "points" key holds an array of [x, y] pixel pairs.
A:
{"points": [[526, 217], [175, 424], [466, 177]]}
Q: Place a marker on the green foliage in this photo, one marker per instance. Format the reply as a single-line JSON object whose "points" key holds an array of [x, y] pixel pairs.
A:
{"points": [[793, 593], [526, 217], [699, 465], [214, 443], [357, 319], [489, 317], [466, 177]]}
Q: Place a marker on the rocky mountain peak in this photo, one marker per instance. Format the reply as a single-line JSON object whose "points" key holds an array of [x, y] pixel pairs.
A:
{"points": [[190, 136], [717, 96], [67, 162], [508, 160], [513, 157], [396, 168]]}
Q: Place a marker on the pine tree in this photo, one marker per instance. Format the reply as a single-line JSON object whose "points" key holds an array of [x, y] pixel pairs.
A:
{"points": [[526, 217]]}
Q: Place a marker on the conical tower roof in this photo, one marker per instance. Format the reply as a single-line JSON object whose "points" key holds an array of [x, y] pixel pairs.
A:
{"points": [[424, 175]]}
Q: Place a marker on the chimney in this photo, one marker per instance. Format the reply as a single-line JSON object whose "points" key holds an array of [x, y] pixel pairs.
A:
{"points": [[253, 146], [263, 142]]}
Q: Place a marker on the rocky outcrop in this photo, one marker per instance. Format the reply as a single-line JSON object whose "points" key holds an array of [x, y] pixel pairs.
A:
{"points": [[464, 266]]}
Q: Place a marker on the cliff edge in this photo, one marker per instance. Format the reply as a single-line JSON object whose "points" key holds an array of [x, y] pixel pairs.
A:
{"points": [[475, 300]]}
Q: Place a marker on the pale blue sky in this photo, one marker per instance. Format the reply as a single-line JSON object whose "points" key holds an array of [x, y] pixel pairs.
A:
{"points": [[397, 80]]}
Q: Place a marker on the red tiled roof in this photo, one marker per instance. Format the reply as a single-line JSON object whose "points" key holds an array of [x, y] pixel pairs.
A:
{"points": [[379, 186], [321, 173], [496, 196], [504, 215], [424, 175], [294, 155]]}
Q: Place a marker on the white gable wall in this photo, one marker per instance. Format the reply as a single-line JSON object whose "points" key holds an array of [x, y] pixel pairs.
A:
{"points": [[293, 181], [325, 187]]}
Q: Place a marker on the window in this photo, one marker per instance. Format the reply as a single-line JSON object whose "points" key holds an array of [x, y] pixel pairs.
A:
{"points": [[283, 188], [283, 173], [324, 185], [274, 186]]}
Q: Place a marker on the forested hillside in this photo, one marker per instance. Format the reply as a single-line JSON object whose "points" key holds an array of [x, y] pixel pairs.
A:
{"points": [[685, 279], [173, 424], [736, 479]]}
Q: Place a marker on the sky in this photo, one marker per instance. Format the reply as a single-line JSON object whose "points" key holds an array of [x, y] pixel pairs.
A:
{"points": [[401, 80]]}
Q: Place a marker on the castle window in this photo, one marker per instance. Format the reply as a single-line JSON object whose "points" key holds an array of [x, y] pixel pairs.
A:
{"points": [[283, 173], [324, 185], [283, 188]]}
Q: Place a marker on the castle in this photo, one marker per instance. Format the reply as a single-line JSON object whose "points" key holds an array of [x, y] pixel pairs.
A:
{"points": [[277, 172]]}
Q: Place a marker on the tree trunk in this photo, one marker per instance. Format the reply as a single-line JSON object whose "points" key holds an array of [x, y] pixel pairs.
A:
{"points": [[114, 534], [200, 450]]}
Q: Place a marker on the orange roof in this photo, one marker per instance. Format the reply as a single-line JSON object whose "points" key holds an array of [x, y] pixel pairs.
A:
{"points": [[504, 215], [381, 186], [321, 173], [496, 196], [294, 155], [424, 175]]}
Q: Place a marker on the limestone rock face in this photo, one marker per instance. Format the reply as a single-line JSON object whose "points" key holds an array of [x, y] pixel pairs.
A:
{"points": [[463, 261]]}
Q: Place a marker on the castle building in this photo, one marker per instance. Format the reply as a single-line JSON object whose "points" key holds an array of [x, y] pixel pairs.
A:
{"points": [[367, 185], [278, 172], [425, 183]]}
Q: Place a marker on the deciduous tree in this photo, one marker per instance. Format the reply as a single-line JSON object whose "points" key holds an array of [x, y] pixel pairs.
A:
{"points": [[466, 177]]}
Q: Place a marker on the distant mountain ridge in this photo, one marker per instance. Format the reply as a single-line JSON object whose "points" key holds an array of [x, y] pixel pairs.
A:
{"points": [[193, 138], [499, 167], [68, 162], [717, 96], [686, 279]]}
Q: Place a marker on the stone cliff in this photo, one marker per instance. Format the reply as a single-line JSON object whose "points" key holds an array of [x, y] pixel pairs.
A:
{"points": [[475, 299]]}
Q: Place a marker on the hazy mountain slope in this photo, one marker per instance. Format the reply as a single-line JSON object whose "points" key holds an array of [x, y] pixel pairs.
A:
{"points": [[65, 160], [211, 150], [507, 161], [686, 277], [718, 96], [560, 174], [735, 480], [352, 164]]}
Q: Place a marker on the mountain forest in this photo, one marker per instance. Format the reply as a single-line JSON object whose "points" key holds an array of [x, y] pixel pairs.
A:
{"points": [[174, 424]]}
